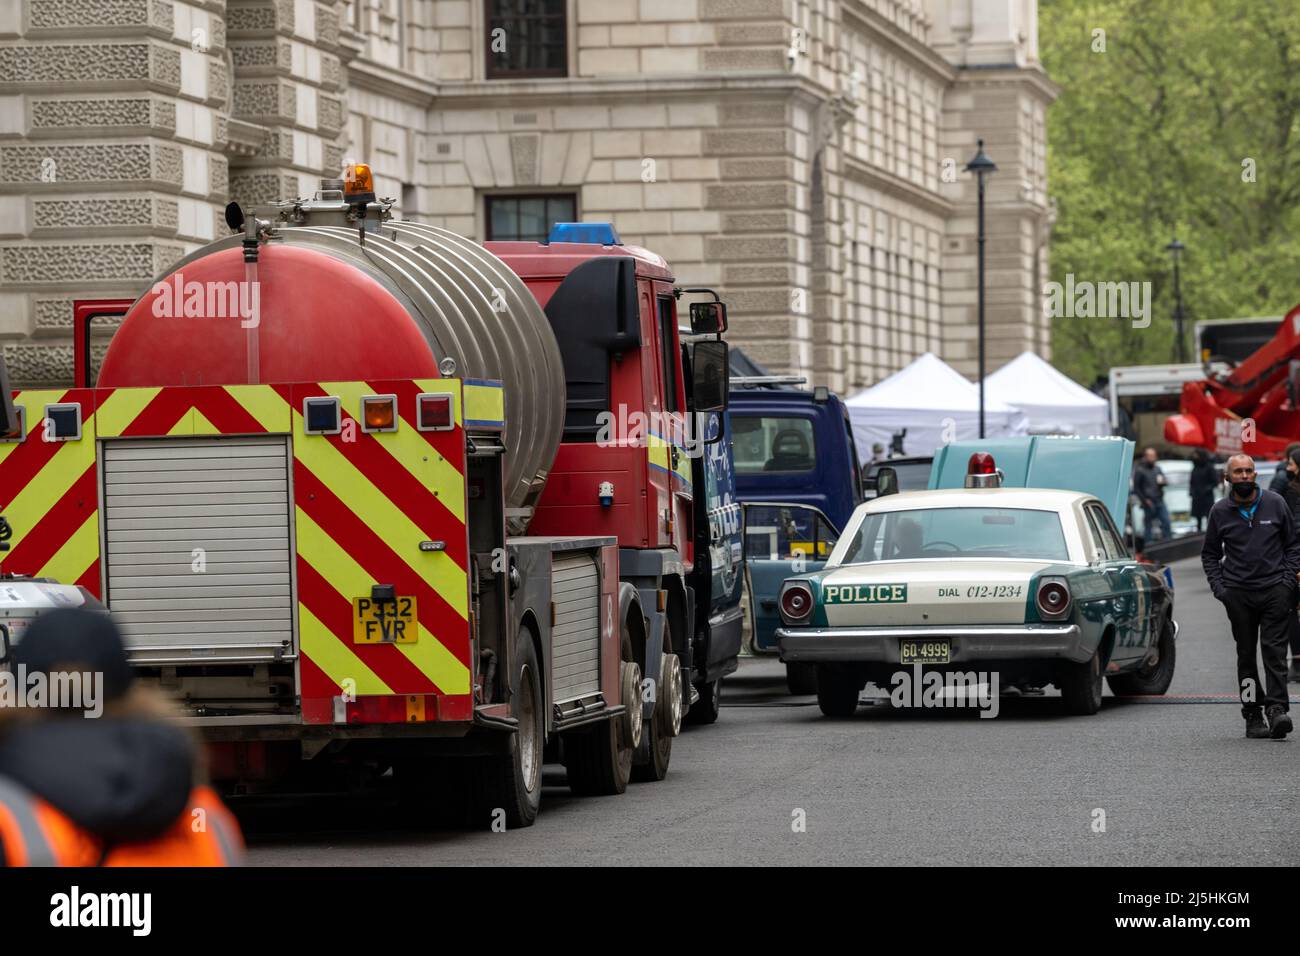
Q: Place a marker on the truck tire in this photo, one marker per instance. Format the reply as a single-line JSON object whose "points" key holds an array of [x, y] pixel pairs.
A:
{"points": [[801, 678], [837, 691], [1150, 681], [1080, 685], [599, 759], [513, 781], [709, 706], [598, 763], [659, 729]]}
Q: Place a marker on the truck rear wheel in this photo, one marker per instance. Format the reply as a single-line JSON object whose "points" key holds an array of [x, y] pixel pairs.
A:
{"points": [[666, 723], [599, 759], [513, 782]]}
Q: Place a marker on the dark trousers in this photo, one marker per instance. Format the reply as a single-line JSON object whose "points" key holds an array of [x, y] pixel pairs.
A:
{"points": [[1261, 616], [1157, 515], [1295, 637]]}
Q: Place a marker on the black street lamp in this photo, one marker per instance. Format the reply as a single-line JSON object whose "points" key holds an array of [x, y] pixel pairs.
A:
{"points": [[1175, 249], [981, 166]]}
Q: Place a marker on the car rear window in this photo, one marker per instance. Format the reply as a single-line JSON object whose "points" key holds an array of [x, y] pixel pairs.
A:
{"points": [[958, 533]]}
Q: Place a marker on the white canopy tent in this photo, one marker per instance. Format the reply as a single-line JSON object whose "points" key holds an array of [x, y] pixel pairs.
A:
{"points": [[934, 403], [1054, 403]]}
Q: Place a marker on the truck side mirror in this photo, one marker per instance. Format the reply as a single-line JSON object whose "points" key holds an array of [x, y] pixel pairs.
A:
{"points": [[710, 376], [886, 481], [708, 318]]}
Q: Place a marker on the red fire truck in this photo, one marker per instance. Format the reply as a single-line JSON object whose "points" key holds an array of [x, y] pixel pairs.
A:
{"points": [[365, 494]]}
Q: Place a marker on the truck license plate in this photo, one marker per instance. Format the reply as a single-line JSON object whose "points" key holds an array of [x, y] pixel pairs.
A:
{"points": [[384, 622], [925, 652]]}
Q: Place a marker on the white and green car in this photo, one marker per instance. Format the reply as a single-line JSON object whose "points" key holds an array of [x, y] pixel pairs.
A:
{"points": [[1035, 585]]}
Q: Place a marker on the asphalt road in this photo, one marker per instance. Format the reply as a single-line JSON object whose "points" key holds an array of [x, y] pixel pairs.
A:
{"points": [[1178, 783]]}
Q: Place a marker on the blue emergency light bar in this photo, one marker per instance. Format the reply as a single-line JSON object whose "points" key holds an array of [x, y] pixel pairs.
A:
{"points": [[592, 233]]}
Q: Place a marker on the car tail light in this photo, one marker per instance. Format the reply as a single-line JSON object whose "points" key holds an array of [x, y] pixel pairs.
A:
{"points": [[1053, 599], [796, 602]]}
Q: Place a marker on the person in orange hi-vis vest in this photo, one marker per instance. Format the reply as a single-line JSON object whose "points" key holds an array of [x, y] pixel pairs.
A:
{"points": [[103, 775]]}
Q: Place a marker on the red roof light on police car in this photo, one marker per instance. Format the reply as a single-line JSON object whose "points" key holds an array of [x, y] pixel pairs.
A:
{"points": [[981, 463]]}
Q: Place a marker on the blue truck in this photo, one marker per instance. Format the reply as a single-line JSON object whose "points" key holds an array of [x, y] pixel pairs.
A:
{"points": [[716, 579], [798, 478]]}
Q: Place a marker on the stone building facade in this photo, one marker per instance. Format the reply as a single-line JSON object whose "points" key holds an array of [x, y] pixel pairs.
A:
{"points": [[802, 156]]}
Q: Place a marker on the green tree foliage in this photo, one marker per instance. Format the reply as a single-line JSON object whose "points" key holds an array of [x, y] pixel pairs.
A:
{"points": [[1156, 136]]}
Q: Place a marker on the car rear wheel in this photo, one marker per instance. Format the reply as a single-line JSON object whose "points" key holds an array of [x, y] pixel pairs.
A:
{"points": [[837, 691], [1153, 679], [801, 678], [1080, 685]]}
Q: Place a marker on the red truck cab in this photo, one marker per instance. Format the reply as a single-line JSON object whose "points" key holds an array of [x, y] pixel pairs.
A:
{"points": [[623, 467]]}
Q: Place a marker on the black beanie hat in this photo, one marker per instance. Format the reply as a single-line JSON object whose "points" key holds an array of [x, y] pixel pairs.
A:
{"points": [[74, 639]]}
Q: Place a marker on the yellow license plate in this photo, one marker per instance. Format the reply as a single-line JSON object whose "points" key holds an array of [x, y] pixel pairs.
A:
{"points": [[384, 622], [925, 652]]}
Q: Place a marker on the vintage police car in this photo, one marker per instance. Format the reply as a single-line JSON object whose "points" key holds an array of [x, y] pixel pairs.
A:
{"points": [[1034, 584]]}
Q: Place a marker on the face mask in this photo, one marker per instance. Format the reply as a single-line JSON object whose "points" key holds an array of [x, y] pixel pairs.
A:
{"points": [[1243, 489]]}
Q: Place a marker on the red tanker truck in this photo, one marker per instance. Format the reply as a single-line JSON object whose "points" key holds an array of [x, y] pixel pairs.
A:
{"points": [[366, 495]]}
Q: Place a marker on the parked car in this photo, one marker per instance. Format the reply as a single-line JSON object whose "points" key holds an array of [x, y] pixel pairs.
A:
{"points": [[1035, 583]]}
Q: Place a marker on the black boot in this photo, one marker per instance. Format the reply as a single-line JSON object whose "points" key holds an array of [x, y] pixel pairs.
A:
{"points": [[1279, 721], [1256, 727]]}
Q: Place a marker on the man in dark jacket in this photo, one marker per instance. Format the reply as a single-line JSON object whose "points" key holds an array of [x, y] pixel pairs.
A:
{"points": [[1149, 484], [1251, 558]]}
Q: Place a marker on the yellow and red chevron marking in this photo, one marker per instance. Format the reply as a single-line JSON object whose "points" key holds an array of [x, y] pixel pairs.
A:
{"points": [[363, 503], [49, 494], [362, 507]]}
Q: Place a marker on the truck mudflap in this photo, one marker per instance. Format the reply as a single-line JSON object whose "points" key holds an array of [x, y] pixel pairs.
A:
{"points": [[221, 530]]}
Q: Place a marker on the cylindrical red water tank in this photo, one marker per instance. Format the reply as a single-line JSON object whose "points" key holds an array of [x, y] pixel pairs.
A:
{"points": [[328, 306], [316, 319]]}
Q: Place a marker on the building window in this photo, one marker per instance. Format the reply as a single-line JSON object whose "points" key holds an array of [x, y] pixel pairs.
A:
{"points": [[526, 38], [528, 218]]}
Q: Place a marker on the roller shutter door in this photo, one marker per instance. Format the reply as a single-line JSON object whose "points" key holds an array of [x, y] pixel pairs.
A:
{"points": [[171, 503], [575, 638]]}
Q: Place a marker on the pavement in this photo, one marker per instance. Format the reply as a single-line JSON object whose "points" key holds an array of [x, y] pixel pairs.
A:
{"points": [[1168, 781]]}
